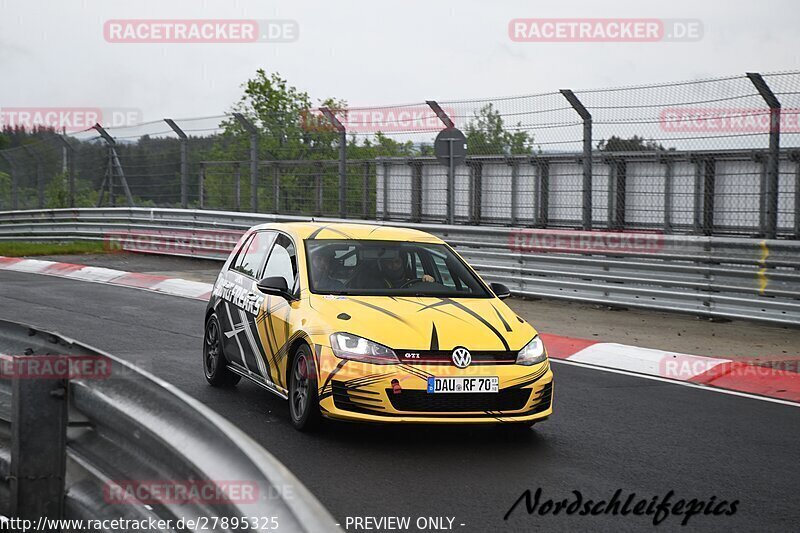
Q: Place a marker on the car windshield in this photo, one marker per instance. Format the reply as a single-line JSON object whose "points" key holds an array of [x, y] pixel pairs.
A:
{"points": [[389, 268]]}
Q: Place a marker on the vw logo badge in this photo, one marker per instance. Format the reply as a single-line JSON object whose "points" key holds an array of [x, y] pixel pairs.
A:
{"points": [[461, 357]]}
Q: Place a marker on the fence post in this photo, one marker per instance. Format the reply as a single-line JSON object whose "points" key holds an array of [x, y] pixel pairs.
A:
{"points": [[276, 187], [201, 177], [543, 191], [365, 197], [514, 190], [39, 176], [416, 190], [184, 160], [476, 190], [451, 172], [770, 191], [318, 189], [114, 165], [587, 155], [237, 199], [386, 167], [70, 154], [14, 178], [795, 157], [38, 446], [342, 159], [668, 179], [253, 131]]}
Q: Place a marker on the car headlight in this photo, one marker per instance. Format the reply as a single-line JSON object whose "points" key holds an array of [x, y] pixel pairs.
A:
{"points": [[533, 353], [347, 346]]}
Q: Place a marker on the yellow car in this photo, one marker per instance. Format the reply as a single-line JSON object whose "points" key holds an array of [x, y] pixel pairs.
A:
{"points": [[372, 323]]}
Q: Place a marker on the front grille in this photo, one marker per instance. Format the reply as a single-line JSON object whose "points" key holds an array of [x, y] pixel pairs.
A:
{"points": [[445, 357], [357, 401], [423, 402], [543, 399]]}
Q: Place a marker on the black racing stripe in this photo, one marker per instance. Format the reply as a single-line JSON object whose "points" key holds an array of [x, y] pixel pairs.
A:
{"points": [[503, 320], [380, 310], [324, 394], [434, 339], [417, 372], [479, 318], [531, 379], [268, 360]]}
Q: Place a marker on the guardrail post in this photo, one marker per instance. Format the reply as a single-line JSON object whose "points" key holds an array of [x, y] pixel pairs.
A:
{"points": [[184, 160], [769, 193], [14, 178], [39, 176], [201, 178], [38, 446], [342, 159], [587, 155], [69, 151], [253, 131]]}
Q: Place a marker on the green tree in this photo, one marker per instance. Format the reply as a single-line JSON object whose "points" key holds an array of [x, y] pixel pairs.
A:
{"points": [[487, 135], [633, 144]]}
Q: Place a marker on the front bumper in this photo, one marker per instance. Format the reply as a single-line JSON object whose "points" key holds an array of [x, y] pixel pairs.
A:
{"points": [[362, 392]]}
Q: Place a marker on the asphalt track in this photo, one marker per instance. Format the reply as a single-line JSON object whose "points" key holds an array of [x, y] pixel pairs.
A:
{"points": [[609, 432]]}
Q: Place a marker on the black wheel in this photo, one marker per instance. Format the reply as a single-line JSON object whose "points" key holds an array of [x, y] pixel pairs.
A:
{"points": [[215, 365], [303, 397]]}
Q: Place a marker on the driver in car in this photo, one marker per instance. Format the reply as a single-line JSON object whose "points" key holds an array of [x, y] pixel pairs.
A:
{"points": [[394, 275], [321, 268]]}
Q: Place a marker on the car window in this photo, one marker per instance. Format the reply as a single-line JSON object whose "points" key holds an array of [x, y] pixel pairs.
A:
{"points": [[282, 261], [252, 254], [389, 268]]}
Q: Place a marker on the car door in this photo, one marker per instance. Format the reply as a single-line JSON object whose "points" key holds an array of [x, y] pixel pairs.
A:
{"points": [[274, 325], [242, 305]]}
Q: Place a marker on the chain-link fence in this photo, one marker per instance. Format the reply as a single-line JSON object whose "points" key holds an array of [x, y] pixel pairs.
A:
{"points": [[716, 156]]}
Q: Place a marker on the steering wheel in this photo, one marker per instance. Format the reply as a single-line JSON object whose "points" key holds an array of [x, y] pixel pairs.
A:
{"points": [[411, 282]]}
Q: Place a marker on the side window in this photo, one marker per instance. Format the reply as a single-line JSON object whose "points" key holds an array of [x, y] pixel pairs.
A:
{"points": [[283, 261], [252, 254]]}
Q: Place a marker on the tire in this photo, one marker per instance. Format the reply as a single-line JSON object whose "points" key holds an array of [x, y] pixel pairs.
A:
{"points": [[303, 393], [215, 364]]}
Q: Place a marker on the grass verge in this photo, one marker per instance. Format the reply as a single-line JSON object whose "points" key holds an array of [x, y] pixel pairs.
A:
{"points": [[25, 249]]}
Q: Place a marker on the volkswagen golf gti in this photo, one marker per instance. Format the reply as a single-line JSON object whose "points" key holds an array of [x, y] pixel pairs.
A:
{"points": [[372, 323]]}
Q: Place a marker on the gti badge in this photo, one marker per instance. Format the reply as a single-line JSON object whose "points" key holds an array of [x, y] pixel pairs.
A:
{"points": [[461, 357]]}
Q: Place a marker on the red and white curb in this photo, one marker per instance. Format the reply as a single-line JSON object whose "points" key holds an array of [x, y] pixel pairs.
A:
{"points": [[726, 375], [161, 284]]}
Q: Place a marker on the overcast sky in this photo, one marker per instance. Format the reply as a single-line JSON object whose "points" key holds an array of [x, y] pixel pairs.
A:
{"points": [[368, 52]]}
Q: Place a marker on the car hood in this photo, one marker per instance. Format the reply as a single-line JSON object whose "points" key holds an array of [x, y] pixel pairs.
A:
{"points": [[414, 323]]}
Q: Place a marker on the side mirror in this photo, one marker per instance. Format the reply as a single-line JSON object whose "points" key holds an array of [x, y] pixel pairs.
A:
{"points": [[500, 290], [275, 285]]}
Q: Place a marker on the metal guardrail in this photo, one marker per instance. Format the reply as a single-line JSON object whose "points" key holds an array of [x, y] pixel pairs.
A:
{"points": [[716, 277], [72, 446]]}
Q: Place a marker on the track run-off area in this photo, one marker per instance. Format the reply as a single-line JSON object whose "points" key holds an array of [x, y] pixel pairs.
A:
{"points": [[610, 432]]}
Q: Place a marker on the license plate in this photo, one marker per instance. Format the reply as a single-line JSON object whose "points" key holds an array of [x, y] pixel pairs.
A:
{"points": [[463, 384]]}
